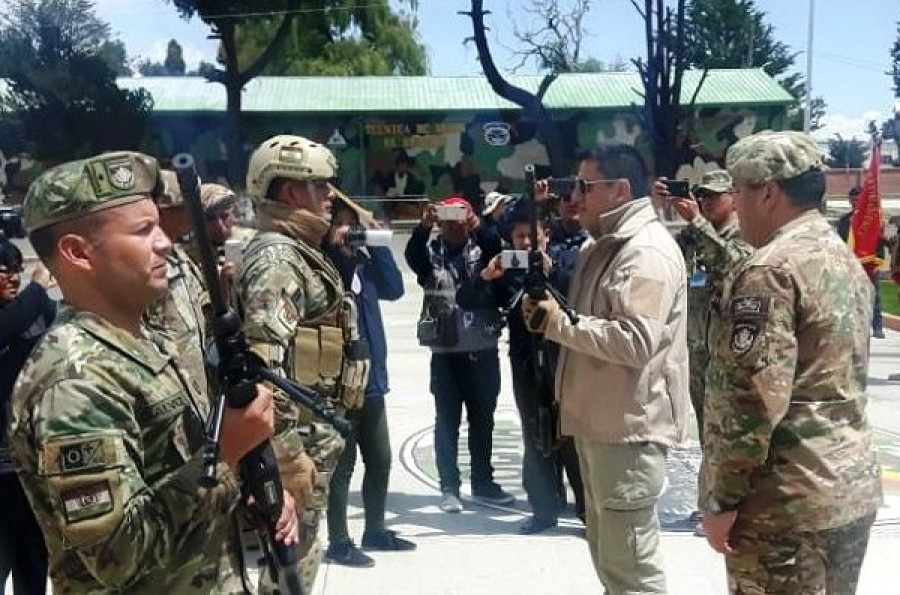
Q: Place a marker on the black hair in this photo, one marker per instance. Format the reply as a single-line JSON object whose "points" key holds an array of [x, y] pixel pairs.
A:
{"points": [[617, 160], [274, 188], [10, 255], [806, 190], [44, 240]]}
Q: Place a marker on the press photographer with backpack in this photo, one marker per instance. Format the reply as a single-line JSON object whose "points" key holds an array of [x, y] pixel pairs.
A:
{"points": [[465, 369]]}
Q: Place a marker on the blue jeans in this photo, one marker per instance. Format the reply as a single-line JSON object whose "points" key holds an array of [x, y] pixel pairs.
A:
{"points": [[473, 380], [877, 321]]}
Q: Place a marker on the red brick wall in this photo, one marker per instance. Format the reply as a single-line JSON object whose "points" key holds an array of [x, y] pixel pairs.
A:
{"points": [[840, 181]]}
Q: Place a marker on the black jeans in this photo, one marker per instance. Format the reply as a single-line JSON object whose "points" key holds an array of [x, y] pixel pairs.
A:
{"points": [[542, 474], [22, 548], [370, 433], [473, 380]]}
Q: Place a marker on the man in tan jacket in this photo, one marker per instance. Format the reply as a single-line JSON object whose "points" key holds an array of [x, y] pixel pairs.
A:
{"points": [[622, 377]]}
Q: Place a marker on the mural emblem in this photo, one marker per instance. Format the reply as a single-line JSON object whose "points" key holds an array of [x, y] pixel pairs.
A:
{"points": [[496, 134]]}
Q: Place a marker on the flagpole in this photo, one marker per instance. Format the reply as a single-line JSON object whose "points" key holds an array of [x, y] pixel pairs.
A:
{"points": [[807, 113]]}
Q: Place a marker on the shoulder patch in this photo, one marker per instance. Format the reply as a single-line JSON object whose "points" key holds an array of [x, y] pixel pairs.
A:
{"points": [[749, 307], [78, 456], [87, 501], [743, 336]]}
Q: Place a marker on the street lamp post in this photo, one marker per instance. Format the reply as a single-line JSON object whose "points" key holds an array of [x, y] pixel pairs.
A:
{"points": [[807, 113]]}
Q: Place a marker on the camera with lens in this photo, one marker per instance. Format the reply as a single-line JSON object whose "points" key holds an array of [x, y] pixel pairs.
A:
{"points": [[561, 187], [360, 236]]}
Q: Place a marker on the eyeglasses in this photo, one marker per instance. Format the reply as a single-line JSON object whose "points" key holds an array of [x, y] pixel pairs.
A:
{"points": [[11, 272]]}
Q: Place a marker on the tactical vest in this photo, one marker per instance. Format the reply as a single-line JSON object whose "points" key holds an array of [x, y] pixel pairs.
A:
{"points": [[443, 326], [325, 353]]}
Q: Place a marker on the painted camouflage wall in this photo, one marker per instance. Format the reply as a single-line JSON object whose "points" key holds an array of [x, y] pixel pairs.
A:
{"points": [[430, 156]]}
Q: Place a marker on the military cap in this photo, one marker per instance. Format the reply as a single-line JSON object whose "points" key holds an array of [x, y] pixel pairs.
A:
{"points": [[770, 155], [77, 188], [216, 198], [170, 195], [717, 180]]}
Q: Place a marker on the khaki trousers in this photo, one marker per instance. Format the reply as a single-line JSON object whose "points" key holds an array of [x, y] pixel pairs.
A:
{"points": [[622, 483]]}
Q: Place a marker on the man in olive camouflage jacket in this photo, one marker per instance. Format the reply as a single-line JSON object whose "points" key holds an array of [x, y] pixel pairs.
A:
{"points": [[789, 483], [106, 427]]}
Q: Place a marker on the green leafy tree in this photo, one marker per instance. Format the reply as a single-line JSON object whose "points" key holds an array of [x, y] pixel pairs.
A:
{"points": [[60, 65], [895, 63], [341, 38], [224, 18], [173, 65], [301, 37], [735, 34], [845, 152]]}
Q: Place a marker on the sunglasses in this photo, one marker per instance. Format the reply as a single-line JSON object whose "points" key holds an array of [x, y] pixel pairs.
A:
{"points": [[583, 186]]}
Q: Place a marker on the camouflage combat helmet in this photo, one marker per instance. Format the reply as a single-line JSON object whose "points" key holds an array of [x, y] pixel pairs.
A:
{"points": [[216, 198], [78, 188], [769, 155], [287, 156]]}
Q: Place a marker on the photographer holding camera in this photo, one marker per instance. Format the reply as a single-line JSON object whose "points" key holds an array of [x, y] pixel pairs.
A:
{"points": [[712, 246], [465, 369], [370, 273]]}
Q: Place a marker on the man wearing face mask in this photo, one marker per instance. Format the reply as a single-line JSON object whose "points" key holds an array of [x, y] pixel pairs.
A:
{"points": [[622, 375]]}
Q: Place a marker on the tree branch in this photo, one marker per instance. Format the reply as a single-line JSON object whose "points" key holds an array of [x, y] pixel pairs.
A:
{"points": [[267, 54]]}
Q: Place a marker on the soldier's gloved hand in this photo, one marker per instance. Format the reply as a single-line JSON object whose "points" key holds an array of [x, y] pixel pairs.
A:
{"points": [[539, 313]]}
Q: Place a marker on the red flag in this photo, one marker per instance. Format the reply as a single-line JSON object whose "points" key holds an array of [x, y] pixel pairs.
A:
{"points": [[865, 224]]}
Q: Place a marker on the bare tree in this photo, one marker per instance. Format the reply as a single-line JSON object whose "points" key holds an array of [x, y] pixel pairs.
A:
{"points": [[661, 75], [531, 103], [556, 42]]}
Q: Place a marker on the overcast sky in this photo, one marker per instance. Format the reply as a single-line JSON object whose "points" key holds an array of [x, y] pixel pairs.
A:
{"points": [[850, 50]]}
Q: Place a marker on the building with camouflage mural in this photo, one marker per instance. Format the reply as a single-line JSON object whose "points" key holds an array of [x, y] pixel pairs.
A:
{"points": [[405, 139]]}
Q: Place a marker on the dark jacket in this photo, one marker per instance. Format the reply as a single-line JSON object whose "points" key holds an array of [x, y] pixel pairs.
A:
{"points": [[381, 280], [497, 295], [441, 269], [22, 324]]}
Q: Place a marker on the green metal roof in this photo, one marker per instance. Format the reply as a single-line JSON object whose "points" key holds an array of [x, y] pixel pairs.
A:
{"points": [[442, 94]]}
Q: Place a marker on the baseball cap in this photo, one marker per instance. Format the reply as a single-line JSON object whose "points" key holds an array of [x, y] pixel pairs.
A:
{"points": [[770, 155], [77, 188], [717, 181], [494, 200]]}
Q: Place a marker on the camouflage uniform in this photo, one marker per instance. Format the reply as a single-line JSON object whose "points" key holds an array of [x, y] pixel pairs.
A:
{"points": [[287, 293], [787, 442], [180, 318], [710, 255], [106, 429]]}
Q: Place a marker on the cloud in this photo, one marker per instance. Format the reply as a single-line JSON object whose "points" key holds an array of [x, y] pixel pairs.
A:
{"points": [[848, 126]]}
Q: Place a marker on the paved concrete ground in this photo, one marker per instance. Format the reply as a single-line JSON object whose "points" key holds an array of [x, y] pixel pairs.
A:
{"points": [[479, 553]]}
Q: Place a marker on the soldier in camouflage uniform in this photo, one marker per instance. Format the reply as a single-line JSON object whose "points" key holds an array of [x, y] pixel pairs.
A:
{"points": [[297, 316], [712, 247], [789, 483], [106, 427]]}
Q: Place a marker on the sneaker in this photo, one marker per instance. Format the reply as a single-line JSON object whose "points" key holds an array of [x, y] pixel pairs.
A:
{"points": [[386, 541], [346, 553], [492, 494], [536, 524], [450, 502]]}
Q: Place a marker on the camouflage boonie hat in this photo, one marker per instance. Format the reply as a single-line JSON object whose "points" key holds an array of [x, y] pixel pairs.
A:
{"points": [[717, 181], [769, 155], [76, 188], [170, 195]]}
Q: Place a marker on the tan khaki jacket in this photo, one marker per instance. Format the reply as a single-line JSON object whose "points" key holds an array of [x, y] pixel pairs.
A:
{"points": [[623, 368]]}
